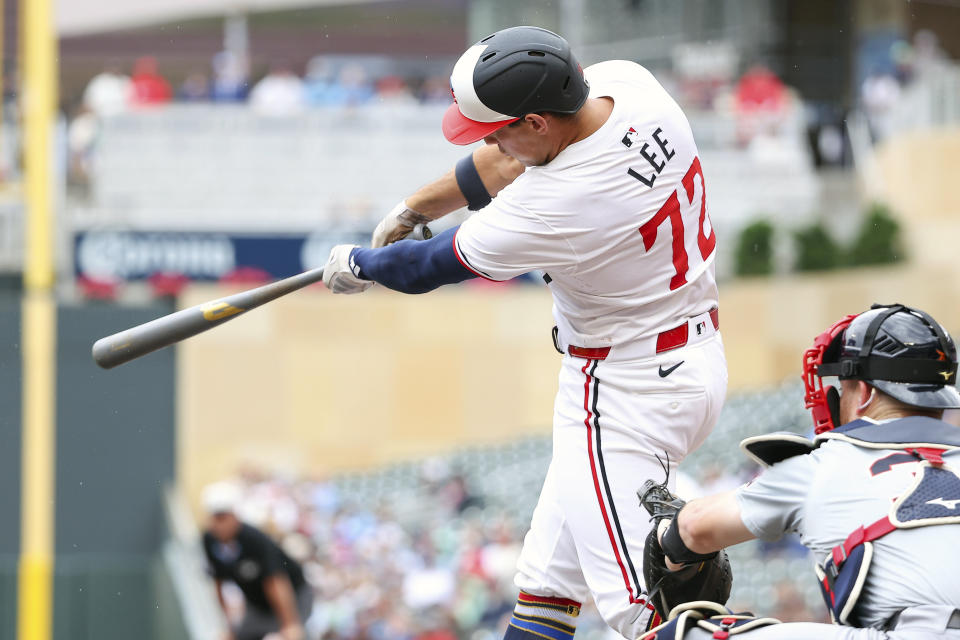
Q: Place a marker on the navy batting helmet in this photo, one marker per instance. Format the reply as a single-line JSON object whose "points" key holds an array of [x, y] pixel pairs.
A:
{"points": [[507, 75], [903, 352]]}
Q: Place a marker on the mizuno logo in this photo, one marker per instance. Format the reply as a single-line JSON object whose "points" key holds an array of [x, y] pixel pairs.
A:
{"points": [[665, 372], [948, 504]]}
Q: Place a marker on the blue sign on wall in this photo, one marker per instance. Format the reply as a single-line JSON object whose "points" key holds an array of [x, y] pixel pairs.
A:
{"points": [[136, 255]]}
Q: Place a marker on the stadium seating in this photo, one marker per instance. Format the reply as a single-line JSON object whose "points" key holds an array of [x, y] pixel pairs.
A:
{"points": [[507, 478]]}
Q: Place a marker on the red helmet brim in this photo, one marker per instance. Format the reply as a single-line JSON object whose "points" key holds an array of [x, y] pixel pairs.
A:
{"points": [[459, 129]]}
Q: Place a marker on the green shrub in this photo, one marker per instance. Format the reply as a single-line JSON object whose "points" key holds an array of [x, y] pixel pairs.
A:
{"points": [[754, 251], [878, 241], [815, 249]]}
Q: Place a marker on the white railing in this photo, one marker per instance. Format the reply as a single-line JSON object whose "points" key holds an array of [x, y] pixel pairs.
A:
{"points": [[185, 564]]}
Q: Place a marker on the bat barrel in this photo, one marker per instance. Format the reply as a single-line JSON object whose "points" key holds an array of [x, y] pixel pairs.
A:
{"points": [[148, 337], [162, 332]]}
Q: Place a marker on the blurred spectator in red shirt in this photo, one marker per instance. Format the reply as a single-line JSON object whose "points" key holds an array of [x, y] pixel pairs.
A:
{"points": [[760, 90], [760, 101], [149, 87]]}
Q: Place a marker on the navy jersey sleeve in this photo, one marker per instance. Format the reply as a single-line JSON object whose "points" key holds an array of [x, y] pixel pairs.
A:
{"points": [[410, 266]]}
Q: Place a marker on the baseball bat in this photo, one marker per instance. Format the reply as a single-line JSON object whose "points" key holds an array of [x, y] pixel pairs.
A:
{"points": [[146, 338]]}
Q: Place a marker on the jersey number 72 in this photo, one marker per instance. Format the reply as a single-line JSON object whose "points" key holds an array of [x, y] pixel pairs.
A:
{"points": [[670, 211]]}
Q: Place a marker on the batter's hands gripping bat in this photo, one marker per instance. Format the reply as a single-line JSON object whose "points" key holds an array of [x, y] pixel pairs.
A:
{"points": [[148, 337]]}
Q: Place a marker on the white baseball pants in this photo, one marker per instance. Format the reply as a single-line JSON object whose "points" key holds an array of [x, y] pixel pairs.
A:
{"points": [[611, 419]]}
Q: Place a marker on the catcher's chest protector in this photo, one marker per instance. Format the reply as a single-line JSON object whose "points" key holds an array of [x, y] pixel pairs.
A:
{"points": [[930, 500]]}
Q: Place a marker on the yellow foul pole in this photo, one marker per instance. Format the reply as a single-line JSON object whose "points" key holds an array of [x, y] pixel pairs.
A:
{"points": [[38, 329]]}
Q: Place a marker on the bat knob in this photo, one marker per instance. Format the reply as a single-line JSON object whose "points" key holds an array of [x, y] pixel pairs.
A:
{"points": [[421, 232]]}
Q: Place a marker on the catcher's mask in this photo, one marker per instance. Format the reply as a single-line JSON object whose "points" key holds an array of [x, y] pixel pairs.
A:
{"points": [[901, 351]]}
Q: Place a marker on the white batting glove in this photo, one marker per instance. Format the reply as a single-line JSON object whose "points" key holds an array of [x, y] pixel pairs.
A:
{"points": [[396, 225], [340, 272]]}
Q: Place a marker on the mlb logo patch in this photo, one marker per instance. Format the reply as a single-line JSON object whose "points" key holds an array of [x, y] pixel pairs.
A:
{"points": [[701, 327], [630, 137]]}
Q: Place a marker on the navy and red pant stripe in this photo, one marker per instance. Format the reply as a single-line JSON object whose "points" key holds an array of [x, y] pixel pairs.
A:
{"points": [[608, 509]]}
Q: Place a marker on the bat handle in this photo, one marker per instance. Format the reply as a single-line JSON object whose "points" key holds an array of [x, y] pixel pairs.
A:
{"points": [[420, 232]]}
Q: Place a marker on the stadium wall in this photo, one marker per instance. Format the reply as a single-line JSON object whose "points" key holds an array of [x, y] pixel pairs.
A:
{"points": [[917, 177], [114, 455], [315, 383], [10, 390]]}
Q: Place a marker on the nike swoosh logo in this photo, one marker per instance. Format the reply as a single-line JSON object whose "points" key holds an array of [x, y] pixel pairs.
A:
{"points": [[949, 504], [665, 372]]}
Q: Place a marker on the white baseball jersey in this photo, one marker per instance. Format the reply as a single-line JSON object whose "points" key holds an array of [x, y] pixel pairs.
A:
{"points": [[618, 221], [826, 494]]}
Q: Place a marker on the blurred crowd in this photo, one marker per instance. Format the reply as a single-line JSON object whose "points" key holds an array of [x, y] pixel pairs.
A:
{"points": [[742, 104], [893, 77], [326, 80], [436, 562], [448, 576]]}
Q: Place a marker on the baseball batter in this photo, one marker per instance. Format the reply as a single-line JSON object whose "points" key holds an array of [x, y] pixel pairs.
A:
{"points": [[596, 183], [877, 500]]}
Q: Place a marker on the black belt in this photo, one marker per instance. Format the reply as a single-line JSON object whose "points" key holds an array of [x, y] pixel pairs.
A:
{"points": [[952, 623]]}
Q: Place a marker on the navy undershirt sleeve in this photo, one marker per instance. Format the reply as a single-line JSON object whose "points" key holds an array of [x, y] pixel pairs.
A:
{"points": [[411, 266]]}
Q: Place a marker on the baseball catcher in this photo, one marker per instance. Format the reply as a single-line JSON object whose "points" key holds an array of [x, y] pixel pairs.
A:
{"points": [[874, 495]]}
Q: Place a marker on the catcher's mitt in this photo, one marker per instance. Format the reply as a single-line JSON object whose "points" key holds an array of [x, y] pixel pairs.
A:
{"points": [[705, 580]]}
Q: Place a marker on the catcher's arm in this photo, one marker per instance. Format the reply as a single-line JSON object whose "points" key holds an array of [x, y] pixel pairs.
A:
{"points": [[711, 523], [673, 573]]}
